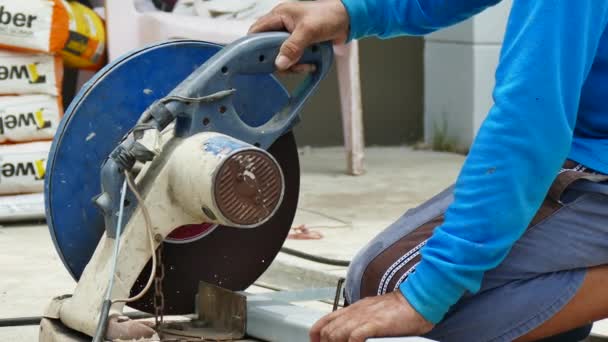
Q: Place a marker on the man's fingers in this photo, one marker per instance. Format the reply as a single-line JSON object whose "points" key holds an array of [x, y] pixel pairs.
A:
{"points": [[308, 22], [293, 48], [298, 69], [339, 329], [315, 331], [362, 333], [269, 22], [303, 68], [302, 35]]}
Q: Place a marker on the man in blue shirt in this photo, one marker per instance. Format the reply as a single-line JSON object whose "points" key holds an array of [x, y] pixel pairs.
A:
{"points": [[517, 248]]}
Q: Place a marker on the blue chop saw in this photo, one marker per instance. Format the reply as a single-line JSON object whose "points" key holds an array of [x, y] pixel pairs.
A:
{"points": [[202, 134]]}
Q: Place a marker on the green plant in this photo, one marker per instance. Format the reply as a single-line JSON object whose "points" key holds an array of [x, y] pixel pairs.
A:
{"points": [[441, 140]]}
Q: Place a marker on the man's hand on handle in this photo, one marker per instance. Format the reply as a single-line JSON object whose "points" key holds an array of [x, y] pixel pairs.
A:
{"points": [[308, 22], [381, 316]]}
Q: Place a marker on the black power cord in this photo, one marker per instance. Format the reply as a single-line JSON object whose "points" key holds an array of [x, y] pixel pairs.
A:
{"points": [[19, 321], [315, 258], [35, 320]]}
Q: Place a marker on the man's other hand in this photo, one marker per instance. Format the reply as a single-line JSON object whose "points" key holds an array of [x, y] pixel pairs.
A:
{"points": [[308, 22], [381, 316]]}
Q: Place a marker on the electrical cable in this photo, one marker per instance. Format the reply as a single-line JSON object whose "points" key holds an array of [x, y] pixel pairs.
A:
{"points": [[121, 209], [149, 229], [102, 324], [202, 99], [315, 258], [108, 302], [19, 321], [35, 320]]}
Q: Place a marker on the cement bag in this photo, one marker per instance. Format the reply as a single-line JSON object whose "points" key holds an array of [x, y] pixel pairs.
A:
{"points": [[29, 117], [33, 25], [22, 167], [85, 48], [21, 207], [22, 73]]}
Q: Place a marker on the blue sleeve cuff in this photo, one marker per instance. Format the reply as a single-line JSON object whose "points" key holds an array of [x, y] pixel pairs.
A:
{"points": [[430, 292], [358, 13]]}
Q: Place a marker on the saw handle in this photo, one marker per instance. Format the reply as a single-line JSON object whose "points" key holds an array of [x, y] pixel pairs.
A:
{"points": [[253, 54], [257, 53]]}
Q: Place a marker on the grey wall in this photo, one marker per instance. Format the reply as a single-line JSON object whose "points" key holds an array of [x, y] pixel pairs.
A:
{"points": [[460, 64], [392, 87]]}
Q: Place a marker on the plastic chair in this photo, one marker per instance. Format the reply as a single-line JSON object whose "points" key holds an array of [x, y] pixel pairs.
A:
{"points": [[129, 29]]}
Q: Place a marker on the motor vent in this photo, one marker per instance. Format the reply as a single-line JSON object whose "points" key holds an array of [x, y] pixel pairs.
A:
{"points": [[249, 187]]}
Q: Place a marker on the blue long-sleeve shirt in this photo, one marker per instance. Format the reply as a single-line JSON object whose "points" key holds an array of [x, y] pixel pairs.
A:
{"points": [[550, 103]]}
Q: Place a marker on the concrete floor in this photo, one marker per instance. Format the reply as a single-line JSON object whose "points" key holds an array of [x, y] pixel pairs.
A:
{"points": [[347, 211]]}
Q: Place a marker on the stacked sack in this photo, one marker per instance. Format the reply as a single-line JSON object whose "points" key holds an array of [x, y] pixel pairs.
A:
{"points": [[37, 37]]}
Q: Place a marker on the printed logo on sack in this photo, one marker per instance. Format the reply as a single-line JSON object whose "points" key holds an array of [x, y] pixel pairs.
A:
{"points": [[24, 169], [20, 72], [24, 120], [20, 20]]}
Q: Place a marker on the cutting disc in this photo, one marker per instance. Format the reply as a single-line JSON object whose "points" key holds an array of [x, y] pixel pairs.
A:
{"points": [[104, 110]]}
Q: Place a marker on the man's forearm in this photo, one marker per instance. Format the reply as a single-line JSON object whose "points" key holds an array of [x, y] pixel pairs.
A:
{"points": [[388, 18]]}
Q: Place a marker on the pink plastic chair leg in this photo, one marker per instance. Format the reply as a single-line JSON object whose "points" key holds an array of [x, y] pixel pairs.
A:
{"points": [[347, 62]]}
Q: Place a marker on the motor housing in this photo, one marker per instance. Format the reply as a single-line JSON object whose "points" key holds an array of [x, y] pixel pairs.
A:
{"points": [[225, 181]]}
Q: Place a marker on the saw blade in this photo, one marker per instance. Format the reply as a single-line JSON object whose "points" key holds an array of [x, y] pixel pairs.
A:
{"points": [[107, 107]]}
